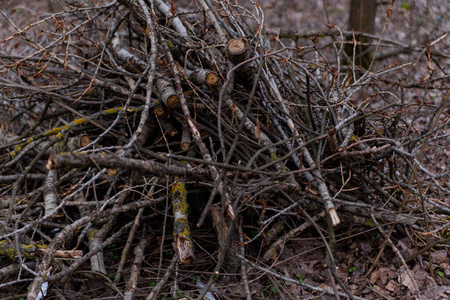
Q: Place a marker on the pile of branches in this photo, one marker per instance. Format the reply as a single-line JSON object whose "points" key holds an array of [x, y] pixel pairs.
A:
{"points": [[149, 126]]}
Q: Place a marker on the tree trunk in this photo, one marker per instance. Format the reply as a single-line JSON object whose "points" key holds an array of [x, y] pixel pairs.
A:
{"points": [[362, 18]]}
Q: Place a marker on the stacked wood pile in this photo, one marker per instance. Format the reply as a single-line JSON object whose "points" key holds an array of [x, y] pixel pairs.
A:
{"points": [[138, 125]]}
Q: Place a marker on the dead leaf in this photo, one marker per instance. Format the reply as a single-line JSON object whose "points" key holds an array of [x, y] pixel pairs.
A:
{"points": [[365, 246], [386, 274], [423, 279], [406, 280], [401, 245], [325, 286], [439, 256], [393, 286], [341, 272], [437, 292], [386, 294], [446, 268], [374, 276]]}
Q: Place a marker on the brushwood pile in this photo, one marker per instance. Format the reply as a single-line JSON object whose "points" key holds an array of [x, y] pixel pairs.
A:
{"points": [[147, 148]]}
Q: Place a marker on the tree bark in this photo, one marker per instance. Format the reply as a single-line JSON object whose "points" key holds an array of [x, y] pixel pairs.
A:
{"points": [[362, 19]]}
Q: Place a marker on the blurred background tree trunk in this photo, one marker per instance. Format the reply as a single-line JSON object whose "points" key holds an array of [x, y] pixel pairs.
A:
{"points": [[362, 18]]}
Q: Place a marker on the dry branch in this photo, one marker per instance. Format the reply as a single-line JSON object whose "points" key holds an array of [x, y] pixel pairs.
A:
{"points": [[82, 160], [181, 230]]}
